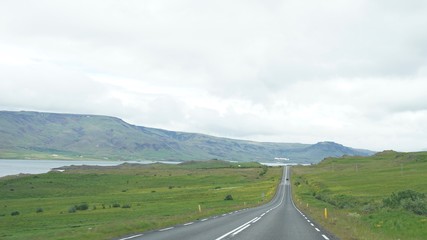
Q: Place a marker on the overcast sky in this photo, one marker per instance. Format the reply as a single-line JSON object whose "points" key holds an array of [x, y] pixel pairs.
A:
{"points": [[353, 72]]}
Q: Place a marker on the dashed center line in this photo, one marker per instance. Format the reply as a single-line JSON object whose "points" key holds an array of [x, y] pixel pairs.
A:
{"points": [[246, 225], [239, 229], [243, 228], [235, 230]]}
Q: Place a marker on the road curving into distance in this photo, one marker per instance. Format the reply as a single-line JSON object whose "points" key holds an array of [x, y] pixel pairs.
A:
{"points": [[278, 219]]}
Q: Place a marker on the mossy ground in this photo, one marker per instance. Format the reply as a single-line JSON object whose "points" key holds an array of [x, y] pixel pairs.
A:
{"points": [[155, 196], [353, 189]]}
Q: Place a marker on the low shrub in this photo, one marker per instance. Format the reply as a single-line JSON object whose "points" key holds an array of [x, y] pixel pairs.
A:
{"points": [[39, 210], [264, 171], [72, 209], [340, 200], [369, 208], [15, 213], [228, 197], [409, 200], [417, 206], [82, 206]]}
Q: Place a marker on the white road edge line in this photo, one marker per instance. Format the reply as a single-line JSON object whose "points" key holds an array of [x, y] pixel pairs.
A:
{"points": [[323, 235], [165, 229], [134, 236], [203, 220], [188, 223]]}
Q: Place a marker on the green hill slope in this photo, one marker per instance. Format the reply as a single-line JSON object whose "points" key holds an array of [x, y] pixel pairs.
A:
{"points": [[71, 136], [377, 197]]}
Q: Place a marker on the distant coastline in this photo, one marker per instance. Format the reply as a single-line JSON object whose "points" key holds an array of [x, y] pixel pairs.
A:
{"points": [[10, 167]]}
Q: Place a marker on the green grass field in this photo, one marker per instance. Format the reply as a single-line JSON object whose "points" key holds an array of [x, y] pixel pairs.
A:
{"points": [[353, 189], [127, 199]]}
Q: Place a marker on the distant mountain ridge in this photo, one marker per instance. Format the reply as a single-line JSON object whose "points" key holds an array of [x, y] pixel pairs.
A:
{"points": [[72, 136]]}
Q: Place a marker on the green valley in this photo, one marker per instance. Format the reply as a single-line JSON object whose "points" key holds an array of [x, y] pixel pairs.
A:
{"points": [[377, 197]]}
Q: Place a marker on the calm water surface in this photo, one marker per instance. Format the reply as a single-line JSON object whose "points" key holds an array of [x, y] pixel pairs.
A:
{"points": [[13, 167]]}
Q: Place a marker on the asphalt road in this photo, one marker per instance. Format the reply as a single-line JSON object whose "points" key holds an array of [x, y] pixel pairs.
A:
{"points": [[278, 219]]}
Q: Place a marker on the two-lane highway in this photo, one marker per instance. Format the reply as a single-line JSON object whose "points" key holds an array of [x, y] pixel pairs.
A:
{"points": [[278, 219]]}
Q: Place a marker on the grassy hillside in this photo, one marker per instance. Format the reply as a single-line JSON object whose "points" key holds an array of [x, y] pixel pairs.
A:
{"points": [[106, 202], [377, 197], [71, 136]]}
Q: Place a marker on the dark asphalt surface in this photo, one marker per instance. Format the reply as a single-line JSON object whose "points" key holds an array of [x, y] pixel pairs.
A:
{"points": [[278, 219]]}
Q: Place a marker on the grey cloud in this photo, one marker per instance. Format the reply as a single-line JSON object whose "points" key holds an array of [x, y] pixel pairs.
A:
{"points": [[309, 40], [48, 87], [359, 62]]}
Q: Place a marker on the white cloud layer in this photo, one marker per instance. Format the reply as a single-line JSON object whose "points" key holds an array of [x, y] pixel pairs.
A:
{"points": [[354, 72]]}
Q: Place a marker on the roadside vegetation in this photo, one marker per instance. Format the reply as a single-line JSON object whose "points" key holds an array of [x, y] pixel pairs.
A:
{"points": [[378, 197], [94, 202]]}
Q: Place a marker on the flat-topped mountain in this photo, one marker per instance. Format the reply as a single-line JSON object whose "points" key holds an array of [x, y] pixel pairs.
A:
{"points": [[72, 136]]}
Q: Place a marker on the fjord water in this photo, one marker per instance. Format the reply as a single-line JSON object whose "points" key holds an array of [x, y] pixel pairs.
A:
{"points": [[13, 167], [31, 166]]}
